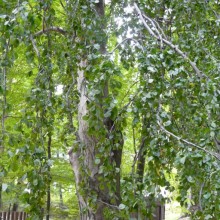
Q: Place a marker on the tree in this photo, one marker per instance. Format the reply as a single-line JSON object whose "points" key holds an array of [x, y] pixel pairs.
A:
{"points": [[139, 86]]}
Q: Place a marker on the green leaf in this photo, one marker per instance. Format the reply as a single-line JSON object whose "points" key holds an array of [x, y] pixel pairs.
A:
{"points": [[182, 160], [213, 124], [208, 217], [50, 162], [11, 154], [167, 123], [97, 46], [97, 161], [152, 69], [212, 134], [4, 187], [84, 7], [122, 206], [107, 114], [190, 179], [35, 182], [207, 195]]}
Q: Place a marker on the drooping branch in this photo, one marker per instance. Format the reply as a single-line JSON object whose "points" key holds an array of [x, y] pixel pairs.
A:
{"points": [[51, 29], [45, 31], [216, 155], [160, 37]]}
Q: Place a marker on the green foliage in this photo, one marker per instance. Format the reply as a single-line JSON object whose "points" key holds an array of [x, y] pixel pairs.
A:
{"points": [[165, 110]]}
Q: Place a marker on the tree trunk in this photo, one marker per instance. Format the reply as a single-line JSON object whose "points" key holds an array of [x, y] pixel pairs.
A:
{"points": [[1, 204], [141, 158], [88, 153], [140, 174], [48, 189], [61, 196], [89, 182]]}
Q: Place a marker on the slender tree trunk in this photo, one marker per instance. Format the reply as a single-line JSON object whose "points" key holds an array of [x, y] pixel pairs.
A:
{"points": [[140, 173], [48, 189], [15, 207], [61, 196], [141, 159], [60, 187], [4, 86], [1, 205], [158, 213]]}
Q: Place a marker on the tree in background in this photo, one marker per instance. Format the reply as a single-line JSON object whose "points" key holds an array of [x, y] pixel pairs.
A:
{"points": [[139, 97]]}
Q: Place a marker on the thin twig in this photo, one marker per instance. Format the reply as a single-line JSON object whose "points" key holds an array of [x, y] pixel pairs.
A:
{"points": [[128, 91], [158, 33], [144, 22], [62, 5], [160, 29], [110, 205], [126, 39]]}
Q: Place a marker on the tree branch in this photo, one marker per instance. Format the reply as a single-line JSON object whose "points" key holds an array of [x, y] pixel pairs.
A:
{"points": [[216, 155], [160, 37], [51, 29]]}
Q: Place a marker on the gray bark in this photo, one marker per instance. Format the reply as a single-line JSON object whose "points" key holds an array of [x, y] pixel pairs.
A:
{"points": [[86, 174], [88, 144]]}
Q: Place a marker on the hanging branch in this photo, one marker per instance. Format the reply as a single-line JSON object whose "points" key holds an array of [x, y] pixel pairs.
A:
{"points": [[216, 155], [160, 36]]}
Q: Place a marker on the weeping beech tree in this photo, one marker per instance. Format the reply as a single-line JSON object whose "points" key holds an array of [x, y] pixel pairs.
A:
{"points": [[139, 102]]}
